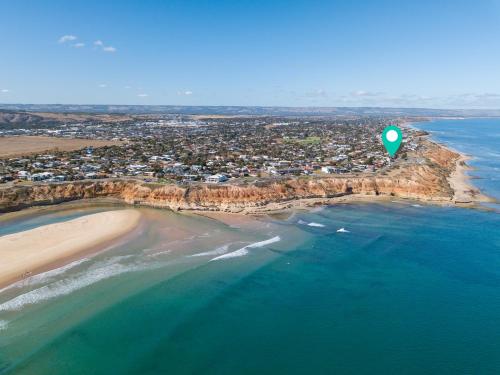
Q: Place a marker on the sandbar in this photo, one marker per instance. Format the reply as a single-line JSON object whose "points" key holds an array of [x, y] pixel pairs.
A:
{"points": [[25, 253]]}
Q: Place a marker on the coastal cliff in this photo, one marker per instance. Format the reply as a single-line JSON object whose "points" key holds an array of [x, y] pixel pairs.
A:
{"points": [[426, 180]]}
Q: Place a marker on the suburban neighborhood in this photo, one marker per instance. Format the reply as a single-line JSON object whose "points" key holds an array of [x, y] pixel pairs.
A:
{"points": [[180, 149]]}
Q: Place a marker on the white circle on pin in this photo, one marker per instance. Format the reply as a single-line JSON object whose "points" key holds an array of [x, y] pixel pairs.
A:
{"points": [[392, 136]]}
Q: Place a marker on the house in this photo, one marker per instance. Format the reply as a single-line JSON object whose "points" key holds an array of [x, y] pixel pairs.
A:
{"points": [[91, 175], [23, 175], [328, 169], [59, 178], [216, 178], [41, 176]]}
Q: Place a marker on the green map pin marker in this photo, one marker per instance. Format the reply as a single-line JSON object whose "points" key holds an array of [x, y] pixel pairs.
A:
{"points": [[392, 137]]}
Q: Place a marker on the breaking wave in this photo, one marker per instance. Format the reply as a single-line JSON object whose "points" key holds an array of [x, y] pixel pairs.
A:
{"points": [[316, 225], [265, 242], [218, 251], [45, 276], [302, 222], [94, 274], [243, 251], [238, 253]]}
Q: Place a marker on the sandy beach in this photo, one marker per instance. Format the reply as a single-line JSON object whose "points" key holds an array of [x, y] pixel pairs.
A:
{"points": [[24, 253], [464, 191]]}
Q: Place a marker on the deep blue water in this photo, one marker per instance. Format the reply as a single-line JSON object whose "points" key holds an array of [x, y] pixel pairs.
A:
{"points": [[405, 290]]}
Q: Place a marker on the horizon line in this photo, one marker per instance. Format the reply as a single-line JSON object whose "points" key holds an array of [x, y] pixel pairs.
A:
{"points": [[251, 106]]}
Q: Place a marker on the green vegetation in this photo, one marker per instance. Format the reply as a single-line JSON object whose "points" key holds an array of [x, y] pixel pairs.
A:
{"points": [[304, 141]]}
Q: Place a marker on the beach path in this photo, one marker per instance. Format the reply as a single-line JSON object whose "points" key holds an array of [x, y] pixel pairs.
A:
{"points": [[27, 252]]}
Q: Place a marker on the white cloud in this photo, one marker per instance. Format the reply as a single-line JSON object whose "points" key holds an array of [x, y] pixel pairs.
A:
{"points": [[363, 93], [187, 92], [317, 94], [79, 45], [127, 87], [4, 90], [109, 49], [473, 100], [100, 44], [142, 95], [102, 85], [67, 38]]}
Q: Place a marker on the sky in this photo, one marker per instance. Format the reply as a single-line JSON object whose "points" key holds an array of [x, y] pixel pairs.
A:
{"points": [[433, 54]]}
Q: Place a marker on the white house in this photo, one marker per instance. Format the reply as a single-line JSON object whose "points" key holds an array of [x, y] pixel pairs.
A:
{"points": [[328, 169], [41, 176], [23, 175], [216, 178]]}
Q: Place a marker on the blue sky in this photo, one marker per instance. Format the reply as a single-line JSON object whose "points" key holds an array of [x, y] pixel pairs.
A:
{"points": [[289, 53]]}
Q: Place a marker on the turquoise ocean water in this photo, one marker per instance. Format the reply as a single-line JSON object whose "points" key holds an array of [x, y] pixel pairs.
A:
{"points": [[405, 289]]}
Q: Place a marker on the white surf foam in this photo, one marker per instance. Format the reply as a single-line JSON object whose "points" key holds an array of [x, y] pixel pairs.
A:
{"points": [[220, 250], [3, 324], [265, 242], [316, 225], [159, 253], [238, 253], [45, 276], [243, 251], [342, 230], [63, 287], [312, 224], [42, 277]]}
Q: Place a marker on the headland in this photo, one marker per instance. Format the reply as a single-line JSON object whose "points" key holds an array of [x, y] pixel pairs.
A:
{"points": [[434, 174]]}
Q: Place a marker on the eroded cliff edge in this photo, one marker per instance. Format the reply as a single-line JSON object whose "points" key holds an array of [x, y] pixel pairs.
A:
{"points": [[428, 176]]}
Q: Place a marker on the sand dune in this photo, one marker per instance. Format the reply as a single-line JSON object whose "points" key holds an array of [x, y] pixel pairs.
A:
{"points": [[26, 252]]}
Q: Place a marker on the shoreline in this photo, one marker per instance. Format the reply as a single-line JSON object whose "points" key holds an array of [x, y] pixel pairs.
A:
{"points": [[116, 227], [24, 254], [464, 192], [441, 180]]}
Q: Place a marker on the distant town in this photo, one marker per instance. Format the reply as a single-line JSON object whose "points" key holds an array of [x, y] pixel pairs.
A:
{"points": [[216, 149]]}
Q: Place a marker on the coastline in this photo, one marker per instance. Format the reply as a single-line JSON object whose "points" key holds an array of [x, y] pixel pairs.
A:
{"points": [[440, 180], [25, 253], [59, 248], [464, 191]]}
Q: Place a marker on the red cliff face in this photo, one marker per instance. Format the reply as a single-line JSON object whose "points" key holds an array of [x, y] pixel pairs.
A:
{"points": [[422, 182], [424, 178]]}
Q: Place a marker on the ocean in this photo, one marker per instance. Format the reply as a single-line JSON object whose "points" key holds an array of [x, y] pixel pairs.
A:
{"points": [[393, 288]]}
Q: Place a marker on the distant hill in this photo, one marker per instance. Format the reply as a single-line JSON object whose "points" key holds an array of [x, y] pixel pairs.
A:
{"points": [[248, 111], [39, 119]]}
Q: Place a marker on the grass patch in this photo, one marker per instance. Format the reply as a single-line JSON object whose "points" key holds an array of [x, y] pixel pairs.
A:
{"points": [[305, 141]]}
